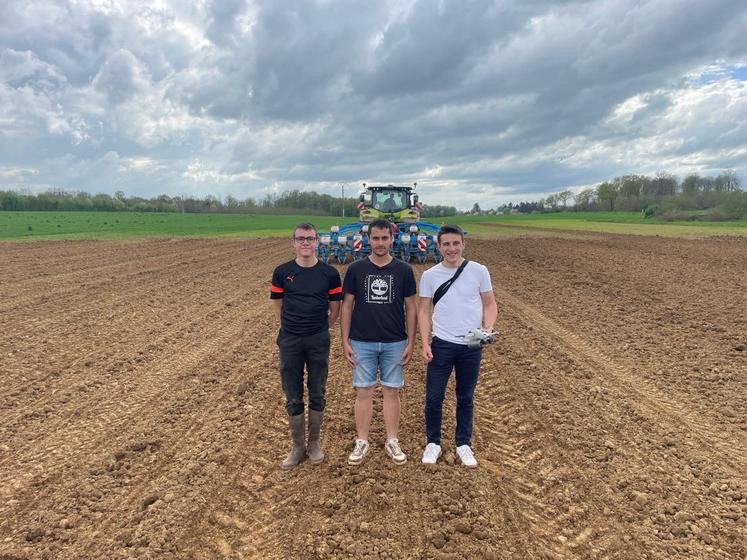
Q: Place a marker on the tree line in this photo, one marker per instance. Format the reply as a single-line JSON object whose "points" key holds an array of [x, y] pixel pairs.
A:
{"points": [[662, 196], [289, 202]]}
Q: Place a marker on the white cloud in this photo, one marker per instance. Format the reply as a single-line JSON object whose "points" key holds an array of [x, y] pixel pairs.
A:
{"points": [[17, 172], [202, 173]]}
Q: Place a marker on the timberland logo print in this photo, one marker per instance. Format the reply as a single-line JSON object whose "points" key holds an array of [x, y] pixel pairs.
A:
{"points": [[379, 288]]}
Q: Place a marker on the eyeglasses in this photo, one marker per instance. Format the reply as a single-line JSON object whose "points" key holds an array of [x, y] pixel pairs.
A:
{"points": [[301, 240]]}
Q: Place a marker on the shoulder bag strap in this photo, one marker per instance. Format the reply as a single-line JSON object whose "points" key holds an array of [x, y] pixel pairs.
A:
{"points": [[443, 288]]}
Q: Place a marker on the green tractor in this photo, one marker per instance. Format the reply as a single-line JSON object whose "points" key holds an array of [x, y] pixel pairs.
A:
{"points": [[399, 205], [413, 240]]}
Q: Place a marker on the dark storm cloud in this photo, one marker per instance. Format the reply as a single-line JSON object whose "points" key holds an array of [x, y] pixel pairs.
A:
{"points": [[435, 47], [64, 35], [292, 63], [222, 20]]}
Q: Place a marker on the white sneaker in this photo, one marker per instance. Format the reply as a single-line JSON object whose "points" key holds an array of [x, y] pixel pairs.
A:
{"points": [[466, 456], [431, 454], [359, 452], [394, 451]]}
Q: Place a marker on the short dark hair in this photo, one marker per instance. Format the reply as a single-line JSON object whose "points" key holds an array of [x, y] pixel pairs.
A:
{"points": [[306, 226], [381, 224], [450, 228]]}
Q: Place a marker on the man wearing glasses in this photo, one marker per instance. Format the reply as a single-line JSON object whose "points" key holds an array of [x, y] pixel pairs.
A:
{"points": [[307, 294]]}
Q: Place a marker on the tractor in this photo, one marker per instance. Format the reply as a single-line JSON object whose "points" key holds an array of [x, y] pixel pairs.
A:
{"points": [[413, 240]]}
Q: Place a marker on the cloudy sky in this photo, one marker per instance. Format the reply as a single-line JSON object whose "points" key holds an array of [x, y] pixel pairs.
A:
{"points": [[478, 101]]}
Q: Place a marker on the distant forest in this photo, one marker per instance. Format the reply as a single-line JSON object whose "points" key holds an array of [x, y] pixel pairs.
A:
{"points": [[662, 196], [289, 202]]}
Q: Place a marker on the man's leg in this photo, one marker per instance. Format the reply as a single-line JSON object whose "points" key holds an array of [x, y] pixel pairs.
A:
{"points": [[291, 376], [392, 380], [364, 381], [363, 411], [437, 377], [316, 355], [291, 372], [316, 352], [391, 411], [467, 368]]}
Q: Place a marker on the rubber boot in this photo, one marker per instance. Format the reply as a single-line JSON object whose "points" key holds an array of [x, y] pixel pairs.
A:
{"points": [[314, 449], [298, 451]]}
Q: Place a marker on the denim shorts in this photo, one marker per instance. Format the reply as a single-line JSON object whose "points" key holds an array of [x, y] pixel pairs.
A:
{"points": [[382, 356]]}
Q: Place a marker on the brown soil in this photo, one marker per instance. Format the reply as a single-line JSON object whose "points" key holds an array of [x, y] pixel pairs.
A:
{"points": [[141, 414]]}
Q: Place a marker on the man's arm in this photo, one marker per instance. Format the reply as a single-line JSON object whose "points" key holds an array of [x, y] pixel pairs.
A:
{"points": [[334, 293], [346, 316], [334, 312], [411, 320], [489, 310], [424, 324], [276, 292]]}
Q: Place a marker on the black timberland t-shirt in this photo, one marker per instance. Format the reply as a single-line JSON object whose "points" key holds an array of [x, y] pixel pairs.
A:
{"points": [[305, 292], [380, 292]]}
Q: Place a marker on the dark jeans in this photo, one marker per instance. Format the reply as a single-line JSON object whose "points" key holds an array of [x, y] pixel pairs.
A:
{"points": [[466, 362], [295, 353]]}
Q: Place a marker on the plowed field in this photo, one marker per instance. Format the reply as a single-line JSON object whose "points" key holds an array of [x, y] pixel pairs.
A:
{"points": [[141, 414]]}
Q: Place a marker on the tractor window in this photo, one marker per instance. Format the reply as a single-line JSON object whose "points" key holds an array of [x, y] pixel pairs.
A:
{"points": [[389, 201]]}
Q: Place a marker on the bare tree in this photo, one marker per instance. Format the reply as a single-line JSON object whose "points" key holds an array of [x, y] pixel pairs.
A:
{"points": [[564, 196], [608, 192], [585, 198]]}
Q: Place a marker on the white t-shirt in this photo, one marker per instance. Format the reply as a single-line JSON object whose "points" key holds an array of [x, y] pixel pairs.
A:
{"points": [[460, 310]]}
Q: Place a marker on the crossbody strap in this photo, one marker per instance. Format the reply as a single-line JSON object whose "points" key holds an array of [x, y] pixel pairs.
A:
{"points": [[443, 288]]}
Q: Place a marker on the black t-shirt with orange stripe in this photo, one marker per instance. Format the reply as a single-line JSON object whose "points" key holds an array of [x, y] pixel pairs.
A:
{"points": [[305, 292]]}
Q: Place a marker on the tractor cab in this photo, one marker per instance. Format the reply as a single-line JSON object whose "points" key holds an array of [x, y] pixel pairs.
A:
{"points": [[398, 204]]}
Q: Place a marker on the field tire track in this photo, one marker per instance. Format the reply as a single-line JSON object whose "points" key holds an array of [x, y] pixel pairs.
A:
{"points": [[642, 395], [134, 269], [71, 439], [188, 435], [112, 413]]}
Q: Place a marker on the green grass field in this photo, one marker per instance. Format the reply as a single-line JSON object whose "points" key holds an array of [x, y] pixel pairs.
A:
{"points": [[631, 223], [125, 225]]}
